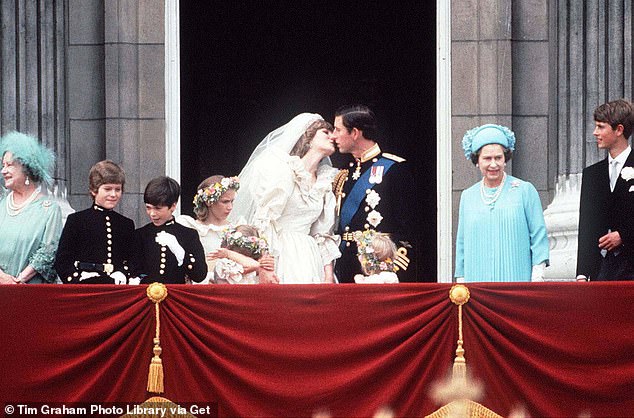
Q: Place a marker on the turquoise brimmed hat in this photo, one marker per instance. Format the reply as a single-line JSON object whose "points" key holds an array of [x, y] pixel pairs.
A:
{"points": [[487, 134], [28, 151]]}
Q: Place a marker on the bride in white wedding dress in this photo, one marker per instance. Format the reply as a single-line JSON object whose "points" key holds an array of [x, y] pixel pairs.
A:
{"points": [[286, 192]]}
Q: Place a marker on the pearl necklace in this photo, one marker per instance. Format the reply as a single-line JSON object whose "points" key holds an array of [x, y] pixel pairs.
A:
{"points": [[490, 199], [13, 209]]}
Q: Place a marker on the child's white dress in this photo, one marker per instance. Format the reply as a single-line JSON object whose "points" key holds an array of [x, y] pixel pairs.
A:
{"points": [[229, 272], [382, 277]]}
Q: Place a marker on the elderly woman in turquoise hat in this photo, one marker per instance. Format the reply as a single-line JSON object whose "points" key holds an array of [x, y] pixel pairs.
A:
{"points": [[30, 221], [501, 231]]}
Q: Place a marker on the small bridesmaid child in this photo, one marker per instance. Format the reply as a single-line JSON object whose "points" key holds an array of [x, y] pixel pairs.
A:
{"points": [[376, 252], [213, 203], [243, 258]]}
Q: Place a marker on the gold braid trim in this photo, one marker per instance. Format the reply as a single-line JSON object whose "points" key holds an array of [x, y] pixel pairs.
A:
{"points": [[337, 186], [156, 292], [401, 259]]}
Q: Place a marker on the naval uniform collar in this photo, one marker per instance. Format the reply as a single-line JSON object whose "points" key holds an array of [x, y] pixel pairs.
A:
{"points": [[370, 153]]}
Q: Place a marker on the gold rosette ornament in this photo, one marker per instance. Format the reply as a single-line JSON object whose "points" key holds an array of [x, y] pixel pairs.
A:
{"points": [[156, 292]]}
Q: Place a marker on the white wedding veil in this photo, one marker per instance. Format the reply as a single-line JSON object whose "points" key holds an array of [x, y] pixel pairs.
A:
{"points": [[281, 140]]}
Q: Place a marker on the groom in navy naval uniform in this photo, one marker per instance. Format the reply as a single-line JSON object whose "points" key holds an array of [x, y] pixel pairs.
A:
{"points": [[606, 212], [374, 192]]}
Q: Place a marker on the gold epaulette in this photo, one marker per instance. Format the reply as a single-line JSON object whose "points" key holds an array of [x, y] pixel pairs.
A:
{"points": [[393, 157]]}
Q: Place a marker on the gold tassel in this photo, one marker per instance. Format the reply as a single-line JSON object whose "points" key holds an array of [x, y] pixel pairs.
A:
{"points": [[459, 295], [155, 375], [156, 292], [459, 363]]}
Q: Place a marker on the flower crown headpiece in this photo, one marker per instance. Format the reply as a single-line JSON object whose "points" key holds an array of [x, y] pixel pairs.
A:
{"points": [[211, 194], [487, 134], [255, 245], [364, 249]]}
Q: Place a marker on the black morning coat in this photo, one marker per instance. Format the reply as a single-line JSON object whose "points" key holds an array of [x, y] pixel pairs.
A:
{"points": [[601, 210]]}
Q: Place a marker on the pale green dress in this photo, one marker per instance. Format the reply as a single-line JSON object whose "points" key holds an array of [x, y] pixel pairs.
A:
{"points": [[30, 238]]}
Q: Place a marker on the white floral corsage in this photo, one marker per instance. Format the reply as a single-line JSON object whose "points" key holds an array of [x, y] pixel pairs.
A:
{"points": [[373, 199], [374, 218], [515, 184], [627, 173]]}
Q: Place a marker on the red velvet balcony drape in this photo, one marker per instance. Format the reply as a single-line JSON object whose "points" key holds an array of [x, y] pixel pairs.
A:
{"points": [[554, 349]]}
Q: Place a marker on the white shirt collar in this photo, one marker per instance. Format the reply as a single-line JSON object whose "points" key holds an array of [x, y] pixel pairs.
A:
{"points": [[622, 157]]}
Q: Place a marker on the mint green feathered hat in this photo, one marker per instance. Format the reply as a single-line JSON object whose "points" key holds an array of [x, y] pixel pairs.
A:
{"points": [[35, 157]]}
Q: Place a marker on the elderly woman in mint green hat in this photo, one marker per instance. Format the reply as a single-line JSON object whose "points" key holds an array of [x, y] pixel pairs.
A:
{"points": [[30, 222], [501, 231]]}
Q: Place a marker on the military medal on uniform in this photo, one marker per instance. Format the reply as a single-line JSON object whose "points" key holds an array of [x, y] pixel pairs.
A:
{"points": [[376, 174]]}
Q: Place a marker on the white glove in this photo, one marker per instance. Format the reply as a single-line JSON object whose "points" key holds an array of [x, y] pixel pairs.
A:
{"points": [[119, 278], [134, 281], [537, 275], [87, 275], [170, 241], [459, 279]]}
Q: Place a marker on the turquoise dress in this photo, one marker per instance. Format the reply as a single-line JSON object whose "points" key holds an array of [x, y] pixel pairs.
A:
{"points": [[30, 238], [501, 242]]}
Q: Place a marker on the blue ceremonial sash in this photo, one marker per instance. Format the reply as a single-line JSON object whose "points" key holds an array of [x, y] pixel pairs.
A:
{"points": [[357, 194]]}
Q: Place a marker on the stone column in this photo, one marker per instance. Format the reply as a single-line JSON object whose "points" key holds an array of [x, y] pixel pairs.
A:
{"points": [[589, 50], [32, 78], [134, 61], [116, 90]]}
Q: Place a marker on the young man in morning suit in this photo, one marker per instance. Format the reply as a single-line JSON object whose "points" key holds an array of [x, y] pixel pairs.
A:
{"points": [[372, 193], [606, 213]]}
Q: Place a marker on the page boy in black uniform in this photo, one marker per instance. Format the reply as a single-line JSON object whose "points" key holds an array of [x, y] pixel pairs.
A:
{"points": [[95, 243], [168, 252]]}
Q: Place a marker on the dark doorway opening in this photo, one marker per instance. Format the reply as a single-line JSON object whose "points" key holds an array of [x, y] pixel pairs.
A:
{"points": [[247, 68]]}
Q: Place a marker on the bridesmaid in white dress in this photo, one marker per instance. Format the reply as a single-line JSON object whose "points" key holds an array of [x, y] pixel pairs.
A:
{"points": [[212, 205], [287, 195]]}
